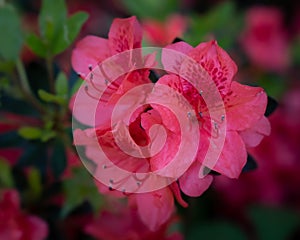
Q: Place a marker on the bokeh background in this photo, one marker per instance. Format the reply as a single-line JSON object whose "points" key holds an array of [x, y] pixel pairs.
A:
{"points": [[46, 193]]}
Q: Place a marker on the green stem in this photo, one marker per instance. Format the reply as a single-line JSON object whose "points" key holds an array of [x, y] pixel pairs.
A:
{"points": [[23, 77]]}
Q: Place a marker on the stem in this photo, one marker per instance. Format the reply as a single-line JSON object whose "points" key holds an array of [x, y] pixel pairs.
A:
{"points": [[23, 77], [25, 88], [50, 74]]}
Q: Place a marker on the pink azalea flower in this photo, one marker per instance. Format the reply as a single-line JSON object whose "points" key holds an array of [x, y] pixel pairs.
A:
{"points": [[264, 39], [132, 144], [244, 107], [16, 225], [163, 33], [126, 224]]}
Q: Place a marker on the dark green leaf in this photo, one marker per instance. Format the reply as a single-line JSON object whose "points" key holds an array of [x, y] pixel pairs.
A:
{"points": [[271, 106], [250, 164], [6, 178], [58, 160], [69, 32], [11, 39], [36, 45], [177, 39], [274, 223]]}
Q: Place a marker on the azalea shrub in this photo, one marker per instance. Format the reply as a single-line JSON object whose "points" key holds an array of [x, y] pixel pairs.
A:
{"points": [[119, 121]]}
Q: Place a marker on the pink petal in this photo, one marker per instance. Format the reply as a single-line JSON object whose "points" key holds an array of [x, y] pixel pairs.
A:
{"points": [[173, 56], [155, 208], [85, 104], [253, 136], [233, 156], [217, 63], [191, 184], [245, 106], [88, 53], [125, 34]]}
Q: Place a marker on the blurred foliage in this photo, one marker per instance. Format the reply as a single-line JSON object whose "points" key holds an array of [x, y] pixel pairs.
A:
{"points": [[80, 188], [149, 8], [219, 23], [216, 230], [57, 32], [274, 223], [11, 40]]}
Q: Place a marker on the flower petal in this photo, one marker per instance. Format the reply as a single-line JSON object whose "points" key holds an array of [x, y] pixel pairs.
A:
{"points": [[253, 136], [173, 55], [217, 63], [125, 34], [155, 208], [245, 105], [191, 184], [88, 53], [233, 156]]}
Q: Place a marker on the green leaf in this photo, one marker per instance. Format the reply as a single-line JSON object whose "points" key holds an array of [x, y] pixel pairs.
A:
{"points": [[47, 135], [80, 188], [11, 39], [69, 32], [51, 98], [6, 178], [34, 183], [273, 84], [216, 231], [61, 85], [222, 23], [274, 223], [30, 133], [52, 17], [36, 44], [76, 86]]}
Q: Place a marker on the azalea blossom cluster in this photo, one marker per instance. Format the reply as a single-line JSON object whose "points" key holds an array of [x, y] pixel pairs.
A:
{"points": [[151, 142]]}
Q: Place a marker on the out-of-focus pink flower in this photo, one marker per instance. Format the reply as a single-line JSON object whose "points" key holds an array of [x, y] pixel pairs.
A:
{"points": [[264, 39], [276, 181], [163, 33], [124, 223], [16, 225]]}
